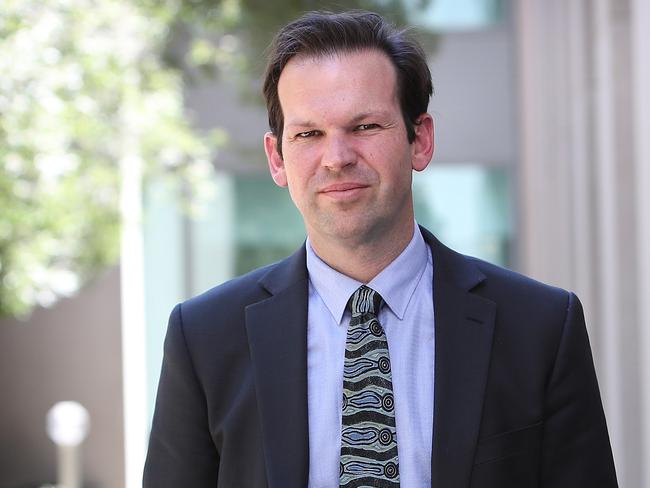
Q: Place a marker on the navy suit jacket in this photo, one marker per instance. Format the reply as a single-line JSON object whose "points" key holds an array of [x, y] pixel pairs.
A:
{"points": [[516, 398]]}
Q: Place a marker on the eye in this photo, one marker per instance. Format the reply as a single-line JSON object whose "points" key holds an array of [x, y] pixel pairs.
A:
{"points": [[363, 127], [306, 134]]}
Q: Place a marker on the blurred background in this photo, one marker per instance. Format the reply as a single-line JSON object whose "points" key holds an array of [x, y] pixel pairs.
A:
{"points": [[132, 176]]}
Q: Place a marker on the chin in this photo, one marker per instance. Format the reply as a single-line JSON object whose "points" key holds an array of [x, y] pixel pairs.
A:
{"points": [[350, 231]]}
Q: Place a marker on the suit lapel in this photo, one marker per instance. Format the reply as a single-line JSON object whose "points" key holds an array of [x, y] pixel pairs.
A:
{"points": [[464, 324], [277, 337]]}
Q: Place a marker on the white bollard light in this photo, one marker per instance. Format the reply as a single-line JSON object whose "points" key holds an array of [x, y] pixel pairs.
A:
{"points": [[67, 425]]}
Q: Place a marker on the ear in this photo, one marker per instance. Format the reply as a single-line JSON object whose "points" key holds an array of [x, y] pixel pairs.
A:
{"points": [[422, 146], [276, 163]]}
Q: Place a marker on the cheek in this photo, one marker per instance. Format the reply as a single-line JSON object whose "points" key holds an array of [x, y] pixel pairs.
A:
{"points": [[301, 165], [297, 181], [397, 174], [295, 192]]}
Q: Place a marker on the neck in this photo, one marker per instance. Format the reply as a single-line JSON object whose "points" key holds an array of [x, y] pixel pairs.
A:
{"points": [[363, 261]]}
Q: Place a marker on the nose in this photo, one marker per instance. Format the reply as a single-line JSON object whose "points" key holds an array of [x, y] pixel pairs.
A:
{"points": [[338, 152]]}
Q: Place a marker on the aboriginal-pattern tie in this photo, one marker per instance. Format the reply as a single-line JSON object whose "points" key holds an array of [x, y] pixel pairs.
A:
{"points": [[368, 437]]}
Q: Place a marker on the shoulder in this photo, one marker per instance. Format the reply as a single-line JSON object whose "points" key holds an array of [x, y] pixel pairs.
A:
{"points": [[523, 305], [532, 320], [531, 317], [211, 327], [228, 297], [501, 285], [506, 286], [224, 305]]}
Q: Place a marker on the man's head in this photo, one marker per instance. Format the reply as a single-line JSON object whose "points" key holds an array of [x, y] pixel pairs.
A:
{"points": [[318, 34], [352, 124]]}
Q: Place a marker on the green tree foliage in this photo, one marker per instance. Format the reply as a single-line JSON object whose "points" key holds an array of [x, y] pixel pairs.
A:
{"points": [[232, 36], [83, 89], [89, 85]]}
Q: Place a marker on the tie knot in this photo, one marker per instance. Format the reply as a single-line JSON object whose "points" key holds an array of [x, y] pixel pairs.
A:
{"points": [[365, 300]]}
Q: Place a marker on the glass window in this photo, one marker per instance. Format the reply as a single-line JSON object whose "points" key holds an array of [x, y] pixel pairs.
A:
{"points": [[465, 197], [468, 207], [450, 15]]}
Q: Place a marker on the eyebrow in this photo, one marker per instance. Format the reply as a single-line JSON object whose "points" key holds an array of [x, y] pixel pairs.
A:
{"points": [[357, 118], [299, 123], [370, 114]]}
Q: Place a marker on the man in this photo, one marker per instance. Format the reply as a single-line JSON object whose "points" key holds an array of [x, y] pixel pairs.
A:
{"points": [[374, 356]]}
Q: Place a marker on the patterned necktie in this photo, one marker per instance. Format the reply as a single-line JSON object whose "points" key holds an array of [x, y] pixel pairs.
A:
{"points": [[368, 436]]}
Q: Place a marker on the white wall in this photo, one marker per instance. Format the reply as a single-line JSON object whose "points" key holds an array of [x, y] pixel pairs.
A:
{"points": [[69, 352], [584, 209]]}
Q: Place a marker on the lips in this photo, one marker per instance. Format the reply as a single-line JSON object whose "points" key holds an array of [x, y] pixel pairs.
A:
{"points": [[343, 187], [344, 192]]}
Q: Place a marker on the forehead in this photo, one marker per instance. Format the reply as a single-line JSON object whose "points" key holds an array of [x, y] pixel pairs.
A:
{"points": [[325, 82]]}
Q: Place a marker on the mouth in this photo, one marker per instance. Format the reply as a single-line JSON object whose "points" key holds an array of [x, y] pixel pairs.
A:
{"points": [[342, 191]]}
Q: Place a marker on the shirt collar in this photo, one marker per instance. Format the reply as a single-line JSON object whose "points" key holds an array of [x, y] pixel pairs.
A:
{"points": [[396, 283]]}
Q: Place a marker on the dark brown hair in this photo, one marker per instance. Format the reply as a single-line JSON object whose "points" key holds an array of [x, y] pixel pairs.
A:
{"points": [[326, 33]]}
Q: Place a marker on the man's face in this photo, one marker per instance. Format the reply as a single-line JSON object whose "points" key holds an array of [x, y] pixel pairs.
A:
{"points": [[346, 157]]}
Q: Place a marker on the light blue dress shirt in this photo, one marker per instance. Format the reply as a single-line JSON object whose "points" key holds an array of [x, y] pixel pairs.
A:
{"points": [[406, 286]]}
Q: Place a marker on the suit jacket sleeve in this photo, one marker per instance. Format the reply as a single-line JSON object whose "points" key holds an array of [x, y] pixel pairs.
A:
{"points": [[181, 451], [576, 449]]}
